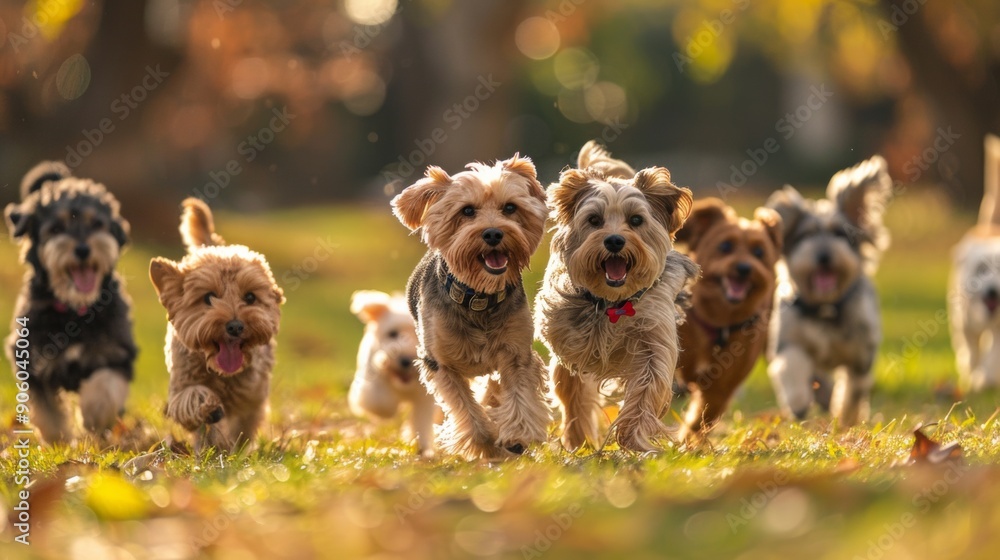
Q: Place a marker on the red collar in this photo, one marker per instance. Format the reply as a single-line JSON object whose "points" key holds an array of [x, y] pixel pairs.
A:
{"points": [[63, 308]]}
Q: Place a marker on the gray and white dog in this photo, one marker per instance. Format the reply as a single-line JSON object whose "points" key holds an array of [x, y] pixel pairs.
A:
{"points": [[974, 296], [828, 326]]}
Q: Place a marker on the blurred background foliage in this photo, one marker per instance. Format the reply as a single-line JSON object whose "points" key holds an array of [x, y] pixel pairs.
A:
{"points": [[373, 90]]}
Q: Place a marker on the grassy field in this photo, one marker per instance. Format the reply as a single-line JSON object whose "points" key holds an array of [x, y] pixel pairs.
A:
{"points": [[322, 484]]}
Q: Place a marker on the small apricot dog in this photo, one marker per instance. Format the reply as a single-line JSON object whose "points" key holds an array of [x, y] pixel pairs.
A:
{"points": [[467, 297], [78, 315], [387, 372], [223, 308], [827, 327], [607, 309], [974, 295], [726, 327]]}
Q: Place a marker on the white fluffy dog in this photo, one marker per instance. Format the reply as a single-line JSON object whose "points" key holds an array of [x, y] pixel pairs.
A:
{"points": [[974, 294], [386, 374]]}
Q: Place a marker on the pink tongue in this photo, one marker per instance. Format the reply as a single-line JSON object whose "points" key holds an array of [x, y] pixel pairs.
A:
{"points": [[84, 279], [737, 289], [230, 357], [615, 268], [825, 282], [495, 260]]}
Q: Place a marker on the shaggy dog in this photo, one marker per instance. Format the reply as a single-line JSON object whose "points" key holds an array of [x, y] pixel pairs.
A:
{"points": [[387, 372], [223, 310], [72, 312], [726, 326], [828, 323], [974, 295], [607, 308], [481, 227]]}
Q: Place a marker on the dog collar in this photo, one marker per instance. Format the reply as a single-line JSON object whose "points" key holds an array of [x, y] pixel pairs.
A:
{"points": [[471, 299], [618, 309], [722, 334], [826, 311], [61, 307]]}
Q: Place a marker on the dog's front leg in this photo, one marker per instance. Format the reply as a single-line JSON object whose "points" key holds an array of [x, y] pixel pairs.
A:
{"points": [[647, 395], [522, 417], [851, 395], [791, 373], [102, 399], [579, 400], [47, 414], [468, 430], [195, 406], [422, 423], [987, 374]]}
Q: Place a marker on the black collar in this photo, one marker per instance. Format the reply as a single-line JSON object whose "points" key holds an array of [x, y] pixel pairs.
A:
{"points": [[471, 299], [606, 304], [722, 334], [826, 311]]}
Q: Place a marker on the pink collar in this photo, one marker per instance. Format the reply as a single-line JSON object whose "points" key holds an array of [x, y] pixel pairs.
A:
{"points": [[63, 308]]}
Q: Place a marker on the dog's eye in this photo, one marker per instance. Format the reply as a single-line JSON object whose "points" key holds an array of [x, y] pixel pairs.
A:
{"points": [[208, 298], [758, 252], [249, 298], [393, 334], [469, 211], [595, 221], [636, 220], [97, 223], [56, 229], [509, 208], [726, 247]]}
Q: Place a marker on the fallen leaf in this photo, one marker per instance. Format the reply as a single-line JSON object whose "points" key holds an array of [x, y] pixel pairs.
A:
{"points": [[926, 450]]}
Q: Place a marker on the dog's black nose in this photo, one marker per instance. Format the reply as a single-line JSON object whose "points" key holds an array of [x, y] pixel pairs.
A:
{"points": [[493, 237], [405, 362], [234, 327], [824, 258], [82, 251], [992, 293], [743, 269], [614, 243]]}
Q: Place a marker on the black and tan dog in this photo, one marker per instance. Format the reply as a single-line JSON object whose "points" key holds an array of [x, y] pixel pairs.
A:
{"points": [[78, 314], [467, 297]]}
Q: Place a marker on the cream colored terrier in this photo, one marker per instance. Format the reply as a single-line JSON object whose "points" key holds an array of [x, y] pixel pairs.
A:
{"points": [[975, 286], [607, 308], [387, 373]]}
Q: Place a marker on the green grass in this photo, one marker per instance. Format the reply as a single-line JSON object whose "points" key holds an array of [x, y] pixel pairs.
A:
{"points": [[324, 485]]}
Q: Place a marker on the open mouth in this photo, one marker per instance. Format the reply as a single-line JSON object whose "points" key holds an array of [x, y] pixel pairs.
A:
{"points": [[991, 303], [495, 262], [230, 356], [736, 288], [615, 271], [84, 278], [824, 282]]}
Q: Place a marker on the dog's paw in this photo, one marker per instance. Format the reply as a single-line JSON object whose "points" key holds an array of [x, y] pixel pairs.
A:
{"points": [[215, 416], [211, 411], [516, 448]]}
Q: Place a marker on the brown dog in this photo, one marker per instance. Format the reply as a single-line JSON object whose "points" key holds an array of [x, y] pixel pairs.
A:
{"points": [[223, 307], [726, 327]]}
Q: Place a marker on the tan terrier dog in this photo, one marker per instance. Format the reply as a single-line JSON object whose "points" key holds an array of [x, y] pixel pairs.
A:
{"points": [[223, 309], [387, 372], [607, 309], [726, 326], [481, 227]]}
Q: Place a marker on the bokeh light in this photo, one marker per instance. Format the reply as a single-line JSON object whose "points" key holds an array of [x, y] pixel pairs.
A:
{"points": [[537, 38], [576, 68], [370, 12]]}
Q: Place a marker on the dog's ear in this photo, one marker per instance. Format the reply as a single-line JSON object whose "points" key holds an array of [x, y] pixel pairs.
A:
{"points": [[120, 229], [168, 280], [790, 206], [565, 195], [671, 204], [524, 167], [411, 205], [18, 221], [704, 214], [861, 194], [369, 305], [771, 221]]}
